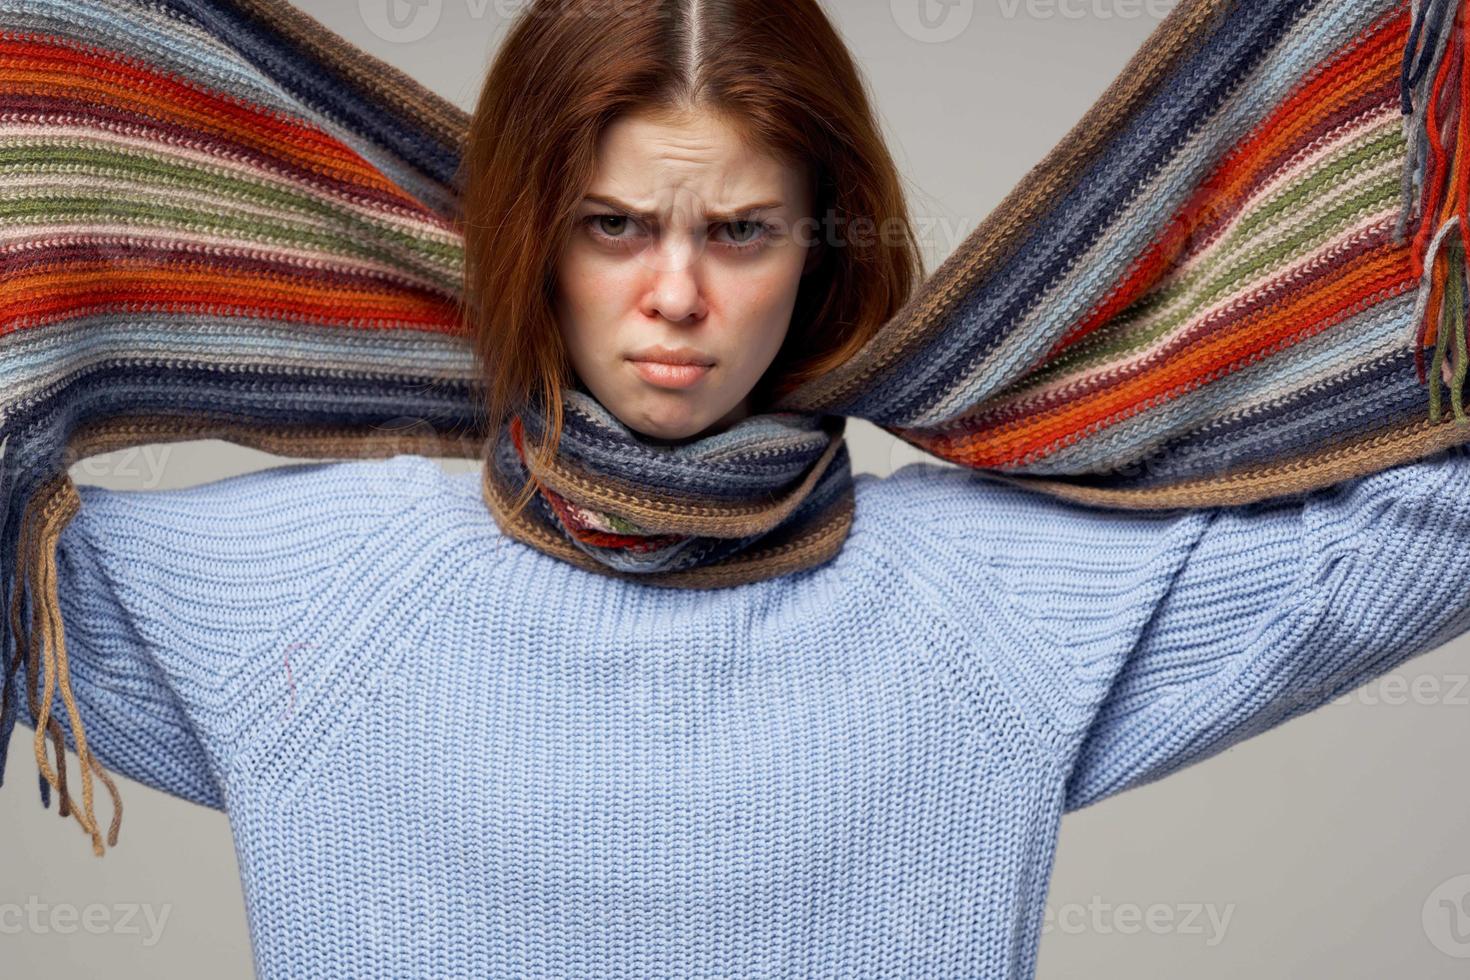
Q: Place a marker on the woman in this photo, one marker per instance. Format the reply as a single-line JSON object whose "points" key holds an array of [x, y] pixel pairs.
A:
{"points": [[445, 753]]}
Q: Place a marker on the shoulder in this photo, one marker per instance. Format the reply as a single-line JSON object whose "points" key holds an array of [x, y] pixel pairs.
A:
{"points": [[288, 516], [337, 487], [956, 501], [968, 536], [942, 502]]}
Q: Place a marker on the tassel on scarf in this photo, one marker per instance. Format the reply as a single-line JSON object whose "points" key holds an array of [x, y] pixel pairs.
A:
{"points": [[42, 648], [1435, 90]]}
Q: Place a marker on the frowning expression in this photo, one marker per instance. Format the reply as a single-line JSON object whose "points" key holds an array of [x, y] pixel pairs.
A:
{"points": [[676, 289]]}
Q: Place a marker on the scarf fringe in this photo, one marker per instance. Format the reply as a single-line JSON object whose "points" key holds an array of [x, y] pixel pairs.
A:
{"points": [[1435, 95], [31, 584]]}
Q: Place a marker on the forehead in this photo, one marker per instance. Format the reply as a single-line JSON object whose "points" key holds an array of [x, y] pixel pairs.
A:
{"points": [[697, 157]]}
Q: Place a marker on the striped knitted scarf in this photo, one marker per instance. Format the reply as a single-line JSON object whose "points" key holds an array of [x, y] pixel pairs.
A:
{"points": [[1242, 274]]}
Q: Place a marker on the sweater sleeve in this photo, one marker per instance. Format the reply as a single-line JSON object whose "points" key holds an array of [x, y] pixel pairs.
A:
{"points": [[163, 594], [1137, 643]]}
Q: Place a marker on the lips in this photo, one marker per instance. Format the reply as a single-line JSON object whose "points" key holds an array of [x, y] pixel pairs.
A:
{"points": [[671, 355], [666, 375]]}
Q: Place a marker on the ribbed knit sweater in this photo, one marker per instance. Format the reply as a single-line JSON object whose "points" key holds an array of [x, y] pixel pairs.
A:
{"points": [[446, 754]]}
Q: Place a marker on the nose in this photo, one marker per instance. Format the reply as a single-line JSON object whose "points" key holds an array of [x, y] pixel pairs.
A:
{"points": [[675, 291]]}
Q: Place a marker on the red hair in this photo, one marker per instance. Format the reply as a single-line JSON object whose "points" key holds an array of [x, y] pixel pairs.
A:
{"points": [[776, 70]]}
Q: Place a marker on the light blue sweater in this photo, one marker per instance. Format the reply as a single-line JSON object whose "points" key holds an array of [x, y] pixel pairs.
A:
{"points": [[445, 754]]}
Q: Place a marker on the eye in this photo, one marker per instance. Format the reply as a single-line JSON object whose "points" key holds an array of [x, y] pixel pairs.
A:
{"points": [[611, 228], [747, 234]]}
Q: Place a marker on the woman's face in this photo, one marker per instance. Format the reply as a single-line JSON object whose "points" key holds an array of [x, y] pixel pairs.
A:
{"points": [[687, 246]]}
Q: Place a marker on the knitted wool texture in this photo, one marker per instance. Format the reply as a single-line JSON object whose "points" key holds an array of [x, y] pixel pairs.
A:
{"points": [[519, 769], [218, 219]]}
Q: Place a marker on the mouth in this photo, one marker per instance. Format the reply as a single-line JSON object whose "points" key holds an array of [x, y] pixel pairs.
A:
{"points": [[666, 375], [671, 368]]}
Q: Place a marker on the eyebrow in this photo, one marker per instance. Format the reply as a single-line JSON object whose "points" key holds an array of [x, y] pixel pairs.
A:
{"points": [[739, 214]]}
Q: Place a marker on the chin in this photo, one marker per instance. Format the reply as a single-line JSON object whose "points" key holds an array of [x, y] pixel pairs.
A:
{"points": [[659, 422]]}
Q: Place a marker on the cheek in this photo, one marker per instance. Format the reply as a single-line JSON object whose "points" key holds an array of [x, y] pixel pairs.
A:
{"points": [[590, 295], [587, 282], [759, 305]]}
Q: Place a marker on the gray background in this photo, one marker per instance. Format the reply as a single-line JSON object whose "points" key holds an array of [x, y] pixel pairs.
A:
{"points": [[1323, 841]]}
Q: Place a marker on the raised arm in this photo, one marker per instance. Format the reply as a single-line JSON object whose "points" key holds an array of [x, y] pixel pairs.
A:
{"points": [[1137, 643]]}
